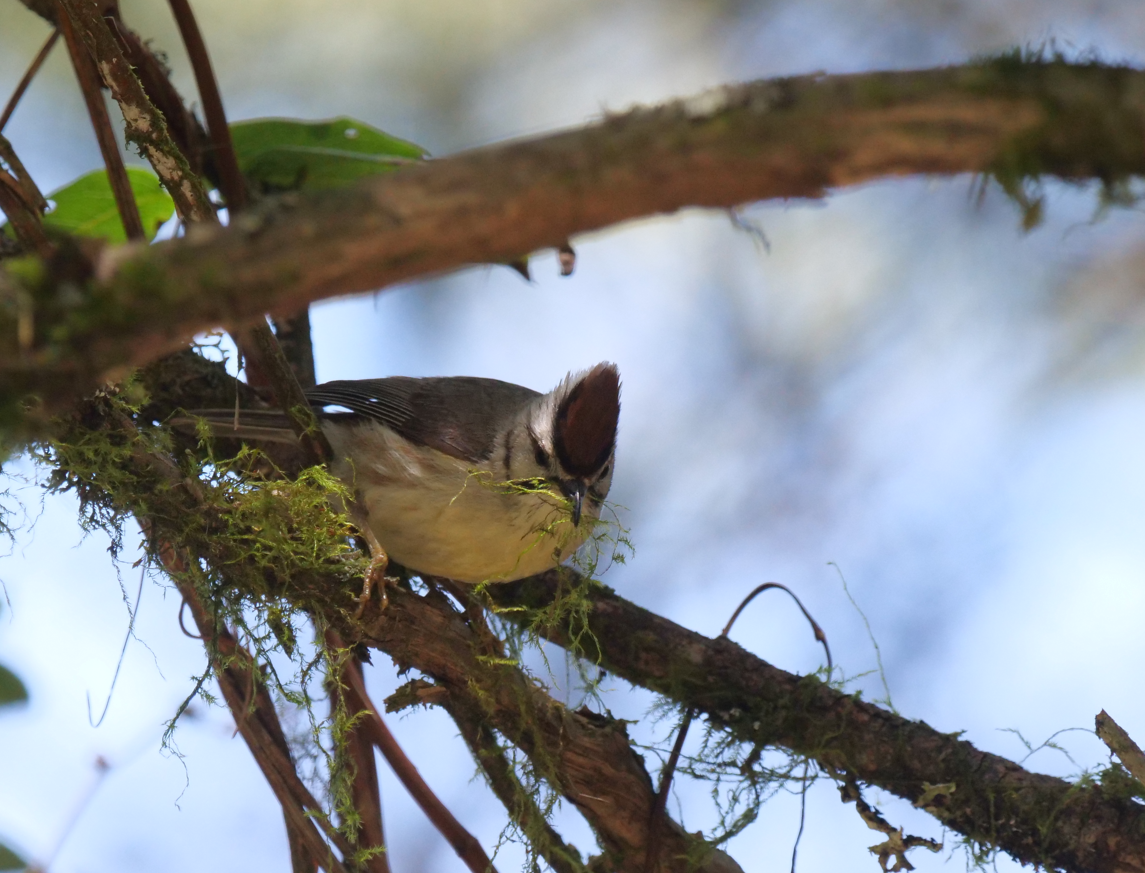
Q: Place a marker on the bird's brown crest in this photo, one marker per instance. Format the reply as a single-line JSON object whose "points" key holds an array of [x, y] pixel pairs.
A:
{"points": [[585, 426]]}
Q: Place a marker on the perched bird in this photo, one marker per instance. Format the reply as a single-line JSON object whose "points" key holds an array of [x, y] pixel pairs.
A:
{"points": [[469, 478]]}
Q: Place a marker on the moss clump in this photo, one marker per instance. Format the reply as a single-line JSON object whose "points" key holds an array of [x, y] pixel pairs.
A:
{"points": [[259, 550]]}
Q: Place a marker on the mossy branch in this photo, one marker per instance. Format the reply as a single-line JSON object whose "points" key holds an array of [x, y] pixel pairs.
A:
{"points": [[993, 802], [277, 544], [782, 138]]}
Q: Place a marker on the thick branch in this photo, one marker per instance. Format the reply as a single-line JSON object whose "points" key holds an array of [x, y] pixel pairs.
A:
{"points": [[585, 756], [517, 800], [1036, 819], [784, 138]]}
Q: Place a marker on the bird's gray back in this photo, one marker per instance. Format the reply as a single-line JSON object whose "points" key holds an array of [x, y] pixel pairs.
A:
{"points": [[461, 416]]}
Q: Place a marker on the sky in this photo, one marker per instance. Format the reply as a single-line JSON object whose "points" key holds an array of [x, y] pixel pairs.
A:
{"points": [[896, 386]]}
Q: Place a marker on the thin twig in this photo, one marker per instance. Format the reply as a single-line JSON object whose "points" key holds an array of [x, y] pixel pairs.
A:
{"points": [[818, 631], [25, 221], [802, 814], [231, 180], [670, 768], [463, 842], [656, 819], [123, 651], [89, 81], [145, 125], [29, 74], [28, 188]]}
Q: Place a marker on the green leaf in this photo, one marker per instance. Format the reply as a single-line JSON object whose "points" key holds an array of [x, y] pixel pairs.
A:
{"points": [[12, 690], [87, 206], [9, 860], [280, 154]]}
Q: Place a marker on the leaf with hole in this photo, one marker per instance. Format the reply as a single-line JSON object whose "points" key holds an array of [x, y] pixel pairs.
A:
{"points": [[87, 207], [285, 154], [12, 690]]}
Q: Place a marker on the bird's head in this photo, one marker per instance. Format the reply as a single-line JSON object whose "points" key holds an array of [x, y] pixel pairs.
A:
{"points": [[576, 435]]}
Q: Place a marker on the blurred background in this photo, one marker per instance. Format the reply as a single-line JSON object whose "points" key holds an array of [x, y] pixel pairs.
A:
{"points": [[896, 385]]}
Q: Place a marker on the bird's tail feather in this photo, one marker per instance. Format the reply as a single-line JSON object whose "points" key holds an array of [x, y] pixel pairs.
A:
{"points": [[256, 425]]}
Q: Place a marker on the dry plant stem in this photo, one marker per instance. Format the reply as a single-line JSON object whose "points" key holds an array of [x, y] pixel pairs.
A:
{"points": [[466, 846], [522, 809], [1122, 745], [1035, 818], [231, 179], [662, 792], [689, 713], [146, 127], [29, 74], [89, 81]]}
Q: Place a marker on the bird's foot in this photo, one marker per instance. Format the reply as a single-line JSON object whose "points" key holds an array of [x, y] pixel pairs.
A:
{"points": [[375, 578]]}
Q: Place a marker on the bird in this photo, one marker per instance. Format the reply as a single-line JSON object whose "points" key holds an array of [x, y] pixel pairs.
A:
{"points": [[463, 477]]}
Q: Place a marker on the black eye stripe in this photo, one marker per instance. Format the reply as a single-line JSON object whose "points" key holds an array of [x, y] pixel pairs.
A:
{"points": [[539, 453]]}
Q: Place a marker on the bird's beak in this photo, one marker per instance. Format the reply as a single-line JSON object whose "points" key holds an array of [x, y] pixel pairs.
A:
{"points": [[574, 491]]}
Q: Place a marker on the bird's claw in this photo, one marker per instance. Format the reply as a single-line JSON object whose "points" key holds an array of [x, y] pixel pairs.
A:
{"points": [[375, 577]]}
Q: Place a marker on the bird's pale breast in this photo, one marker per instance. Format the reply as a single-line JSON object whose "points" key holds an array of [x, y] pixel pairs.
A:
{"points": [[440, 515]]}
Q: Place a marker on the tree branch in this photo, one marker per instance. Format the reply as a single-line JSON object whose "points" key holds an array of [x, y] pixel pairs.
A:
{"points": [[518, 802], [365, 791], [146, 127], [585, 756], [91, 88], [466, 846], [783, 138], [1036, 819]]}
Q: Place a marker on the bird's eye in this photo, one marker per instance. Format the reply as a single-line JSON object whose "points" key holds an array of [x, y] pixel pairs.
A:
{"points": [[540, 456], [604, 471]]}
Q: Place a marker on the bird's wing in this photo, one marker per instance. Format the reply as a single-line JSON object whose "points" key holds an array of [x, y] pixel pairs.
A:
{"points": [[460, 416]]}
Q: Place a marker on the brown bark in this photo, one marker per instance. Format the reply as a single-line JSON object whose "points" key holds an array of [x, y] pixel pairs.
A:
{"points": [[146, 127], [1036, 819], [784, 138], [91, 87], [585, 756]]}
